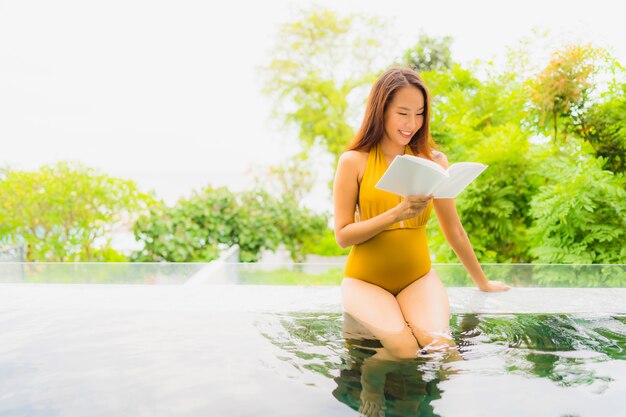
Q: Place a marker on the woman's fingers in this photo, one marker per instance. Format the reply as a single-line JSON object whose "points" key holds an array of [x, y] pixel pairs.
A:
{"points": [[494, 286], [419, 198], [414, 205], [502, 286], [418, 201]]}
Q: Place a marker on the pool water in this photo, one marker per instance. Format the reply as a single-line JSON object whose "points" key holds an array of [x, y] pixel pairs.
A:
{"points": [[512, 364], [216, 340], [79, 350]]}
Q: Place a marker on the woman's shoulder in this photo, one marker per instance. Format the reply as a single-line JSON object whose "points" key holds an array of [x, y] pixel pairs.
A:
{"points": [[353, 157], [353, 163]]}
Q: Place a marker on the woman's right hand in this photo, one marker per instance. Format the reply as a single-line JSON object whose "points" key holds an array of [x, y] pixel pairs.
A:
{"points": [[495, 286], [412, 206]]}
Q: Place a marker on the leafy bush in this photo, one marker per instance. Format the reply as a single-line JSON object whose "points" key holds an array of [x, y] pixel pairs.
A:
{"points": [[298, 227], [579, 216], [61, 211], [325, 245], [196, 228], [189, 231], [603, 125]]}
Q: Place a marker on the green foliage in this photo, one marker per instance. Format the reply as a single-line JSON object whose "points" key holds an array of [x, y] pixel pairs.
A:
{"points": [[120, 272], [293, 177], [190, 231], [493, 120], [320, 59], [455, 275], [61, 211], [494, 209], [324, 245], [579, 214], [493, 128], [256, 225], [463, 106], [287, 276], [297, 226], [196, 228], [429, 54], [564, 87], [545, 333], [579, 276], [603, 126], [539, 275]]}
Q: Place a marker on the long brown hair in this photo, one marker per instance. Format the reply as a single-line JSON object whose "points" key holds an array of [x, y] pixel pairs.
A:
{"points": [[383, 91]]}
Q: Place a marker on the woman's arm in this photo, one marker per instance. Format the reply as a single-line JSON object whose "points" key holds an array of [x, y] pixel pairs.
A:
{"points": [[459, 241], [346, 194]]}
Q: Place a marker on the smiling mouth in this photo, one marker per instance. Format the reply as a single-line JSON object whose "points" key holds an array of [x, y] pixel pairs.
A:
{"points": [[406, 134]]}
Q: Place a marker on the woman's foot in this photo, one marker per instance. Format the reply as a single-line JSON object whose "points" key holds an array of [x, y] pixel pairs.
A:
{"points": [[372, 404]]}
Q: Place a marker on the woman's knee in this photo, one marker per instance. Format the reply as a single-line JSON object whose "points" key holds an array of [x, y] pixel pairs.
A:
{"points": [[402, 345], [433, 340], [403, 351]]}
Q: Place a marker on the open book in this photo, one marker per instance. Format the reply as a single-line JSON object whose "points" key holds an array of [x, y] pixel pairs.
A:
{"points": [[410, 175]]}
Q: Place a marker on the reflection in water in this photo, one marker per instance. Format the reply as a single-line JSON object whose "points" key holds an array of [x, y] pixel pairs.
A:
{"points": [[389, 387], [557, 347], [563, 349], [399, 388]]}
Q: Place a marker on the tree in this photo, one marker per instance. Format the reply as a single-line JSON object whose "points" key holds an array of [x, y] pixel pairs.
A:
{"points": [[61, 211], [292, 178], [319, 62], [603, 126], [429, 54], [476, 120], [563, 89]]}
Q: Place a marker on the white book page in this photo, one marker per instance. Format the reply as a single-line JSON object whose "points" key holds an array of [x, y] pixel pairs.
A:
{"points": [[461, 175], [408, 177], [425, 162]]}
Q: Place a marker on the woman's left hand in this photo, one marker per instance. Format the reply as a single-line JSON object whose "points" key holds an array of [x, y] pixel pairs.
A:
{"points": [[495, 286]]}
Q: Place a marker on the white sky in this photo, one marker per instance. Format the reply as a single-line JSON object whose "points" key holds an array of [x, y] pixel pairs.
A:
{"points": [[167, 92]]}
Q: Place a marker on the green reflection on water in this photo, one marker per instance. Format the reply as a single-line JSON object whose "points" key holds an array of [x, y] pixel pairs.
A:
{"points": [[560, 348]]}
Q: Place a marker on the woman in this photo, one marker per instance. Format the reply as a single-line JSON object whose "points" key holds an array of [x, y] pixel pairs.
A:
{"points": [[389, 285]]}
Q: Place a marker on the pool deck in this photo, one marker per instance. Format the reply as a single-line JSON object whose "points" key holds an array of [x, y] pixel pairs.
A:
{"points": [[270, 298]]}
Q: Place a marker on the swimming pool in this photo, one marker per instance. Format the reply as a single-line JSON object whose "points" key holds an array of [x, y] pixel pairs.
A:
{"points": [[205, 346]]}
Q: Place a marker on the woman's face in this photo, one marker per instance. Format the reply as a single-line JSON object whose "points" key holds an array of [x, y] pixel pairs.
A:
{"points": [[404, 115]]}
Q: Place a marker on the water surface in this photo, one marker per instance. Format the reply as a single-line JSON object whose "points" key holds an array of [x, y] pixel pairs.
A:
{"points": [[105, 362]]}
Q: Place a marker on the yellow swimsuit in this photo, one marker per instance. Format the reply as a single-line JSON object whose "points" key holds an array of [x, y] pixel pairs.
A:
{"points": [[397, 256]]}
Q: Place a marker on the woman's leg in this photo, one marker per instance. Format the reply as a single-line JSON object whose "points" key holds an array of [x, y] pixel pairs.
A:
{"points": [[425, 305], [378, 310]]}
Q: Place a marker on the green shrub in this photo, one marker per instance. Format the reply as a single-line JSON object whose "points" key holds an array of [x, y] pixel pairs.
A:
{"points": [[195, 229], [579, 215], [324, 245], [61, 211]]}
